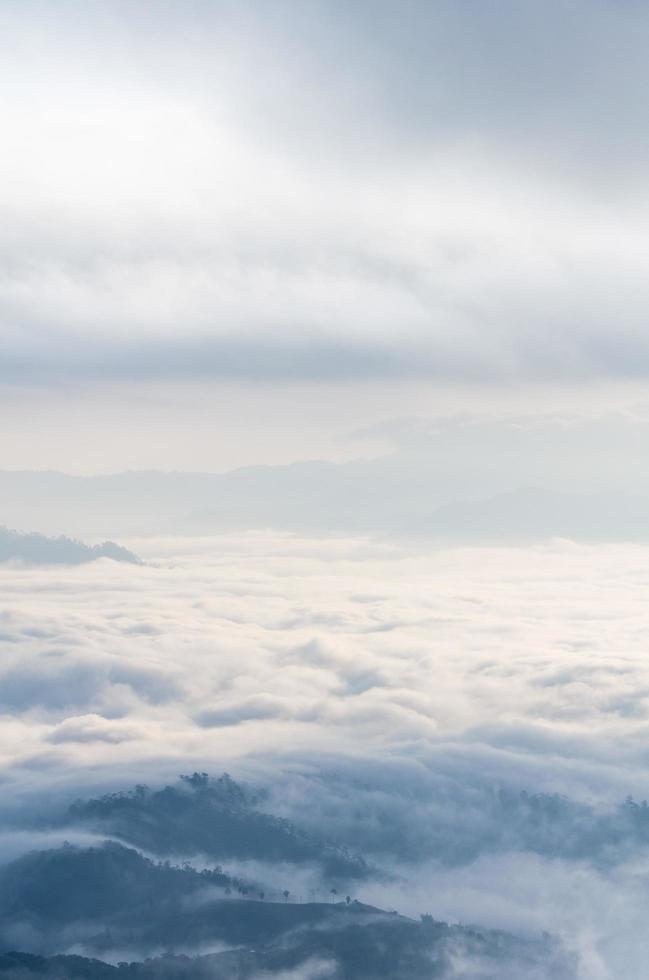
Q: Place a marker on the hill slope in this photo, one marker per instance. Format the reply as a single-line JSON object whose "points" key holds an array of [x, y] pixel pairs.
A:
{"points": [[212, 817], [37, 549]]}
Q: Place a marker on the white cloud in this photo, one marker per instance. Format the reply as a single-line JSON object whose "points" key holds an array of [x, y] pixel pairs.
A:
{"points": [[225, 198], [501, 667], [530, 661]]}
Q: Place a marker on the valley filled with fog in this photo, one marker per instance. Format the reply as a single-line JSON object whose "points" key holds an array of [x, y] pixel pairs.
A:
{"points": [[468, 723]]}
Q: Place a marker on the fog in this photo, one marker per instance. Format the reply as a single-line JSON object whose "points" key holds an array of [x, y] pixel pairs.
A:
{"points": [[533, 658], [470, 477], [380, 695]]}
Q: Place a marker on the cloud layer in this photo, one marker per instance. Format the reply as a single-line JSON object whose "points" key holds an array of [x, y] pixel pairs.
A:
{"points": [[316, 192], [531, 661], [386, 696]]}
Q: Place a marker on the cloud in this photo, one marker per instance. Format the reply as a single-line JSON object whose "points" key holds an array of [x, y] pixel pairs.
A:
{"points": [[250, 709], [502, 661], [506, 669], [58, 683], [323, 193], [67, 686], [91, 728], [596, 914]]}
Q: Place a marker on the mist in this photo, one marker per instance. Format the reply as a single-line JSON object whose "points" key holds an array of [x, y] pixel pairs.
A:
{"points": [[492, 795]]}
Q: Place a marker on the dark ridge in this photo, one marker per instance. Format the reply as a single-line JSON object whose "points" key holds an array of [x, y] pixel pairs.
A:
{"points": [[37, 549], [392, 948], [112, 897], [214, 817]]}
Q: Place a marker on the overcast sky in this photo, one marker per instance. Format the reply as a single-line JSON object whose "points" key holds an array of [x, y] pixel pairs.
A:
{"points": [[239, 200]]}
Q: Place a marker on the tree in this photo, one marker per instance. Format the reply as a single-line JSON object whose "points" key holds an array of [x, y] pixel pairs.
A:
{"points": [[348, 899], [333, 894], [198, 780], [286, 893]]}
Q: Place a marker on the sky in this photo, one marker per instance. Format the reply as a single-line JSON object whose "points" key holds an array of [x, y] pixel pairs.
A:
{"points": [[237, 232]]}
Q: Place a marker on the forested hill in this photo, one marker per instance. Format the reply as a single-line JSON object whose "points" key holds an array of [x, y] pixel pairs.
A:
{"points": [[216, 818], [37, 549], [200, 872], [110, 898], [362, 947]]}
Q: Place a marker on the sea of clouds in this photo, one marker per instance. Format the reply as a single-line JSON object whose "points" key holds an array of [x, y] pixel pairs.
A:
{"points": [[532, 659], [376, 690]]}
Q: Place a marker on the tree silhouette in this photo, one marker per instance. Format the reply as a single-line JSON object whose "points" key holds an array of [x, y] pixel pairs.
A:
{"points": [[286, 893], [333, 894]]}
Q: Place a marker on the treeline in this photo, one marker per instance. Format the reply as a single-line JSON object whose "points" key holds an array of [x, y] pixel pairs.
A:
{"points": [[366, 946], [112, 896], [37, 549], [218, 818]]}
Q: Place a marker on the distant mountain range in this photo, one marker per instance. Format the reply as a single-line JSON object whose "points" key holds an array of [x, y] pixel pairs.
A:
{"points": [[530, 514], [385, 496]]}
